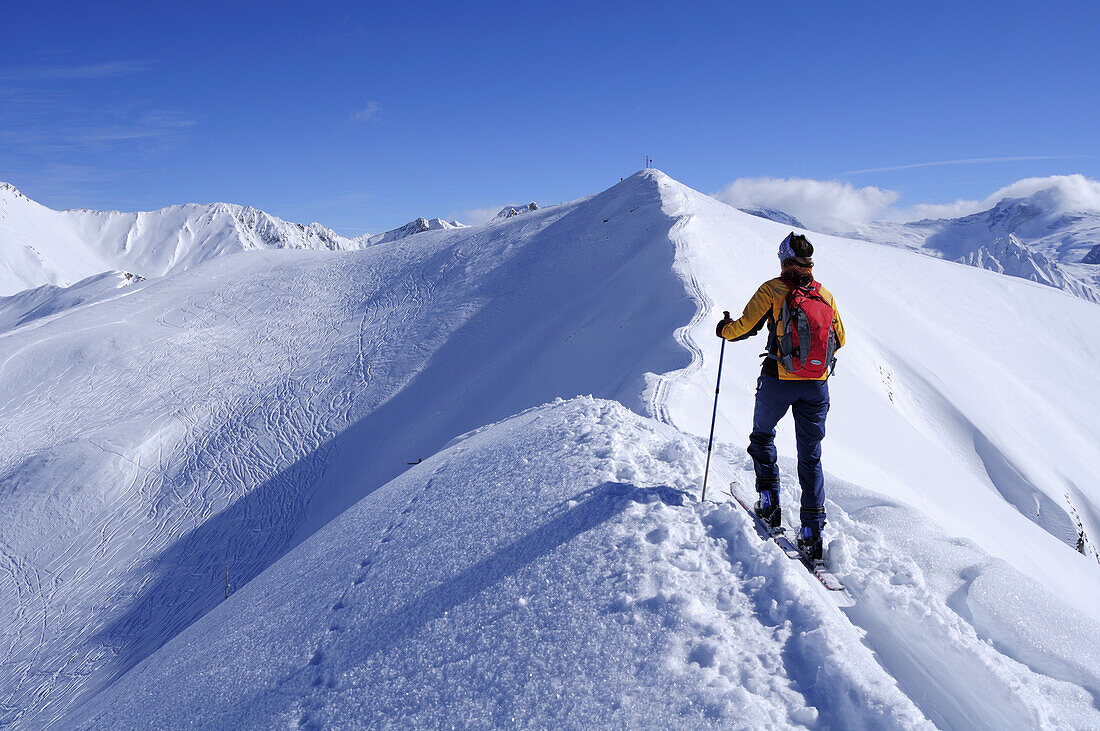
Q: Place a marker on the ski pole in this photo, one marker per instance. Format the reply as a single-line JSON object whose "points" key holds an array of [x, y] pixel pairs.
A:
{"points": [[714, 414]]}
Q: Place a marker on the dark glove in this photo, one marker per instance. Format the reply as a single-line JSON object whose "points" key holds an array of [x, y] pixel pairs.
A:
{"points": [[726, 320]]}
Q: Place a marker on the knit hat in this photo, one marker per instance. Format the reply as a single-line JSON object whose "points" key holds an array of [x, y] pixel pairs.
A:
{"points": [[796, 247]]}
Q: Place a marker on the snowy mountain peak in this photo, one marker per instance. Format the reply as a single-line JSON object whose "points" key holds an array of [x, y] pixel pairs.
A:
{"points": [[1046, 236], [1065, 193], [9, 189], [1009, 255], [1011, 213], [417, 226], [263, 230], [774, 215], [512, 211], [277, 406], [1028, 198], [39, 245], [1048, 231]]}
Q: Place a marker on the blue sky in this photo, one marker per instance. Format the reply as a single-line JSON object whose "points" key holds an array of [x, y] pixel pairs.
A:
{"points": [[365, 115]]}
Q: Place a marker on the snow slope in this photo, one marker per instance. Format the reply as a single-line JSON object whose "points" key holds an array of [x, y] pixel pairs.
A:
{"points": [[557, 568], [254, 406], [952, 391], [218, 415], [773, 215], [32, 304], [551, 569], [41, 246]]}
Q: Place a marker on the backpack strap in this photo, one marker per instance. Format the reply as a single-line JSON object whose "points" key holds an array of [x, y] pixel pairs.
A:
{"points": [[785, 349]]}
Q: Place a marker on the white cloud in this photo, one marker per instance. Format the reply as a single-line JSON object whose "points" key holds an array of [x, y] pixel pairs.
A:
{"points": [[477, 216], [820, 204], [369, 113], [921, 211], [1074, 191], [1068, 192], [830, 205]]}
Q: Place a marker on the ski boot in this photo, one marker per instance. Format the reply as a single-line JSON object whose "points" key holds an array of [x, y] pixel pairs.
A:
{"points": [[767, 507], [809, 537], [809, 543]]}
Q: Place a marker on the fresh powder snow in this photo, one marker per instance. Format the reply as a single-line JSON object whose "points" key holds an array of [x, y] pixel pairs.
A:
{"points": [[484, 588]]}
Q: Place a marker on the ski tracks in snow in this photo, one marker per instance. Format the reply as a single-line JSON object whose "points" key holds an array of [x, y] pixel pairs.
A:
{"points": [[627, 604], [210, 464], [196, 433], [657, 402], [761, 648], [912, 611], [179, 498]]}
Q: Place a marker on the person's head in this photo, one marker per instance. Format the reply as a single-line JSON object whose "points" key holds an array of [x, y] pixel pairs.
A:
{"points": [[796, 259]]}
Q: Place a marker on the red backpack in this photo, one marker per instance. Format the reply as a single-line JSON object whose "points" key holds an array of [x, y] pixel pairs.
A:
{"points": [[808, 342]]}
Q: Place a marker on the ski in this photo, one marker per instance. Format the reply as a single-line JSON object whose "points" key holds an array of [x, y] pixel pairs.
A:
{"points": [[779, 536]]}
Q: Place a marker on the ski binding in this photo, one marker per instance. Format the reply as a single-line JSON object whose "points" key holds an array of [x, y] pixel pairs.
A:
{"points": [[779, 536]]}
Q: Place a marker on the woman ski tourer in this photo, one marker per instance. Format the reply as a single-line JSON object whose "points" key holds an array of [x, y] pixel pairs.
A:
{"points": [[804, 333]]}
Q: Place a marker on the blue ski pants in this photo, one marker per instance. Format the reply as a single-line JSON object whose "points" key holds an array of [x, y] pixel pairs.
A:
{"points": [[809, 401]]}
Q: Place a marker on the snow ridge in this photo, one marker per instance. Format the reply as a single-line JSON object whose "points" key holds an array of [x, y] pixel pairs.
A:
{"points": [[658, 609], [277, 390], [773, 215], [33, 304]]}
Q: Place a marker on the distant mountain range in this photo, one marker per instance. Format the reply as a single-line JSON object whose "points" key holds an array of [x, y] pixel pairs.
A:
{"points": [[40, 246], [1044, 237], [512, 211], [411, 228]]}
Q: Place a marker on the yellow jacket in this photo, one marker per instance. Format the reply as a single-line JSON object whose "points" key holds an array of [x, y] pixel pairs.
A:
{"points": [[765, 308]]}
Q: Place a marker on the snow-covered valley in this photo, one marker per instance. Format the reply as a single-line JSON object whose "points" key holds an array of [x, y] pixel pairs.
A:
{"points": [[265, 411]]}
